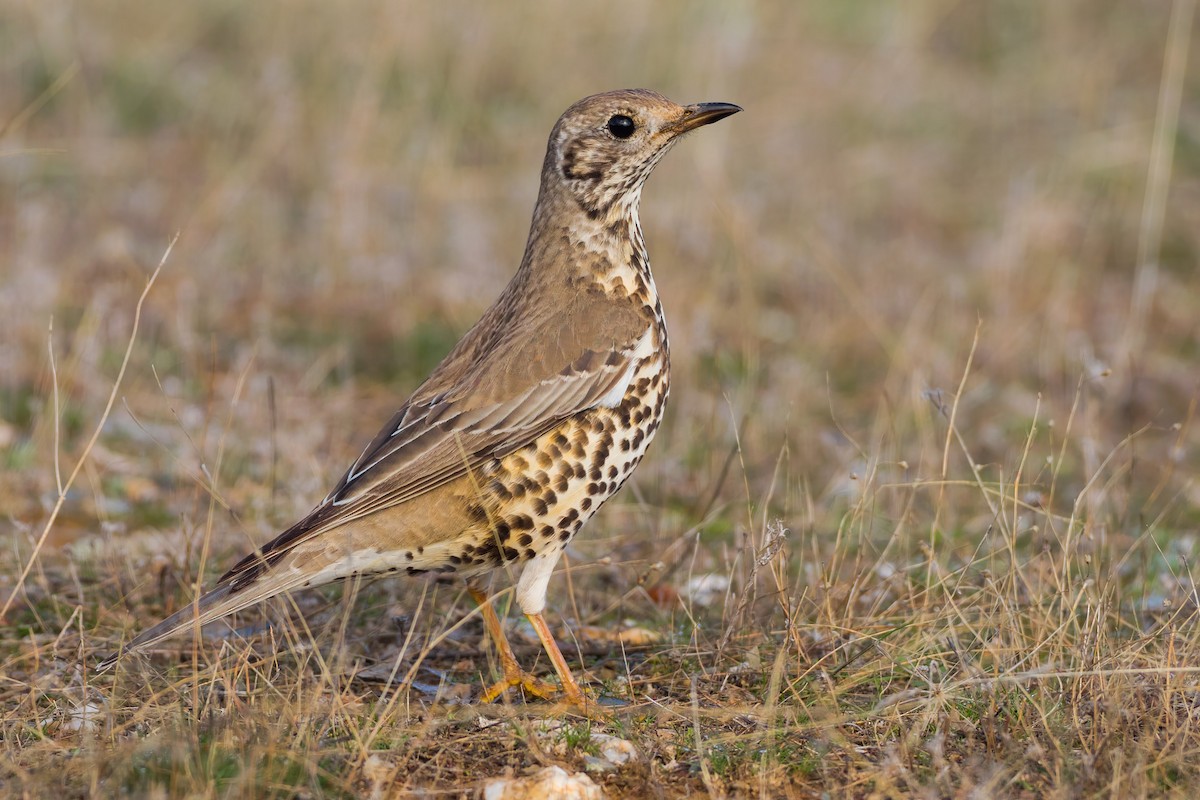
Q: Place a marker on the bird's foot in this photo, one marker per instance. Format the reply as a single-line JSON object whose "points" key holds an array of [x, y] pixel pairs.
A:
{"points": [[565, 699], [519, 677]]}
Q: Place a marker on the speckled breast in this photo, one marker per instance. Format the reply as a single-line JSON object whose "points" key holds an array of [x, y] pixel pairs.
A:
{"points": [[538, 497]]}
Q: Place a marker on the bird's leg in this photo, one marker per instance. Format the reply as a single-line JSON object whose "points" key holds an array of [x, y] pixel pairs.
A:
{"points": [[570, 687], [513, 674]]}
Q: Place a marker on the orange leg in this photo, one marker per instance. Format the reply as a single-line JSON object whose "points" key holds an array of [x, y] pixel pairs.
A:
{"points": [[570, 687], [513, 674]]}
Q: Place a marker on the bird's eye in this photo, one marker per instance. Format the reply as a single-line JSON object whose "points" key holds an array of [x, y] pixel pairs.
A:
{"points": [[621, 126]]}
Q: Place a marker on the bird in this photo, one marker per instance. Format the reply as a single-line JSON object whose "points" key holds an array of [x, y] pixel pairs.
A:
{"points": [[533, 420]]}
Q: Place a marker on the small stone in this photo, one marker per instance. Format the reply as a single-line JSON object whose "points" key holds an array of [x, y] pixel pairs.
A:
{"points": [[84, 717], [615, 749], [551, 783]]}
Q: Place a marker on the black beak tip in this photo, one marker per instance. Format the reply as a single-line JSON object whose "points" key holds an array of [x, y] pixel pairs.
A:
{"points": [[718, 110]]}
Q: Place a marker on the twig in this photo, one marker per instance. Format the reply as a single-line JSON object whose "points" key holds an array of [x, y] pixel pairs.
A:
{"points": [[58, 484]]}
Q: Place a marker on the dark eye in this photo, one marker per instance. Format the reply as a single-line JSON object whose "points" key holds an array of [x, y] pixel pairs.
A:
{"points": [[621, 126]]}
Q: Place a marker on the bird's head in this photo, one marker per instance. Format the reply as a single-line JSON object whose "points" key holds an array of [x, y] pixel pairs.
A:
{"points": [[604, 147]]}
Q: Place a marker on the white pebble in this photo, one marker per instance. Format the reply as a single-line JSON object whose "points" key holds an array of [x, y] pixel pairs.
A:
{"points": [[551, 783]]}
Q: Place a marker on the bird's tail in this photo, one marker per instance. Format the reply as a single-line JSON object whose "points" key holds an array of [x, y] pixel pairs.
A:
{"points": [[227, 597]]}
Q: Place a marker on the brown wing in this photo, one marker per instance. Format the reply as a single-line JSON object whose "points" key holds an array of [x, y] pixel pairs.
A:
{"points": [[438, 440]]}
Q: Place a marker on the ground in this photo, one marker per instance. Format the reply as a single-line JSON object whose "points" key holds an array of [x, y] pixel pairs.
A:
{"points": [[921, 520]]}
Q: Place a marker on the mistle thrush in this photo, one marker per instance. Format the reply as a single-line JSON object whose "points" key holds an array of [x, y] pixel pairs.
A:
{"points": [[535, 418]]}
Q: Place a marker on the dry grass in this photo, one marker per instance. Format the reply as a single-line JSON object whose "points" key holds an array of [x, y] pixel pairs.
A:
{"points": [[935, 308]]}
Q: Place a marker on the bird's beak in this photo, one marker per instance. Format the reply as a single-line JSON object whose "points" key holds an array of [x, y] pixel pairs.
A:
{"points": [[700, 114]]}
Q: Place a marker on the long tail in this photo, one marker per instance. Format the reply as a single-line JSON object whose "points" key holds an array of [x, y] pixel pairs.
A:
{"points": [[228, 596]]}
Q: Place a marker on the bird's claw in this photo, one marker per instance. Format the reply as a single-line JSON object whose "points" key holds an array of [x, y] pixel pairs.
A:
{"points": [[530, 683]]}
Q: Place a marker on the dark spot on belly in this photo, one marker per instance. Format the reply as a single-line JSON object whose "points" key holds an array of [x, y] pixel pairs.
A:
{"points": [[524, 540], [489, 551], [585, 503], [522, 522]]}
